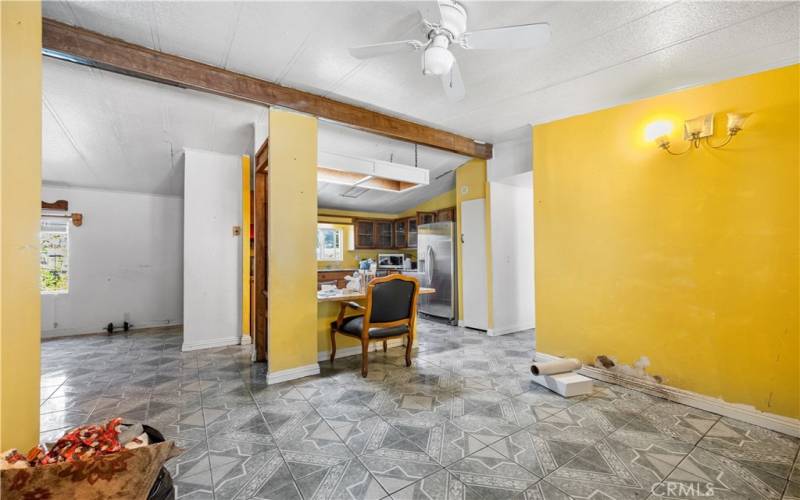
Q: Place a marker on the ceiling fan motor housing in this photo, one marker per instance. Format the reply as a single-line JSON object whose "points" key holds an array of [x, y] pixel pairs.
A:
{"points": [[437, 58]]}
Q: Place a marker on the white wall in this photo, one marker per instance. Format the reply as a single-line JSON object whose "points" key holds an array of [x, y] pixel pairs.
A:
{"points": [[512, 254], [212, 253], [125, 262], [510, 158]]}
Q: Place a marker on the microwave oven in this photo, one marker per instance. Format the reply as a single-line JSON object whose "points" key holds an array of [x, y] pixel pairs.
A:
{"points": [[390, 260]]}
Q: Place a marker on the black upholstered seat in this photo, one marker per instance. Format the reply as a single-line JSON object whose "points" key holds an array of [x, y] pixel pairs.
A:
{"points": [[353, 325]]}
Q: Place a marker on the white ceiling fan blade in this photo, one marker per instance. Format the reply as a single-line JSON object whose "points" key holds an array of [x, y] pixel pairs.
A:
{"points": [[383, 49], [526, 36], [431, 12], [453, 84]]}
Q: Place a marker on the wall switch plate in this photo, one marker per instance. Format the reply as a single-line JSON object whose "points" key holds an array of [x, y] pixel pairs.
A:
{"points": [[237, 230]]}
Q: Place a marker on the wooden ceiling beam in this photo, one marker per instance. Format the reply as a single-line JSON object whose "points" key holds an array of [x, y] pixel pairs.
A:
{"points": [[85, 47]]}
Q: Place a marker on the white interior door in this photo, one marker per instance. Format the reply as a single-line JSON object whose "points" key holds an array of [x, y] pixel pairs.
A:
{"points": [[212, 252], [473, 261]]}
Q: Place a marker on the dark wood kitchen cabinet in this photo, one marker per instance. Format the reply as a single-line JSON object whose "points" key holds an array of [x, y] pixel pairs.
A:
{"points": [[426, 217], [385, 234], [411, 228], [365, 234], [446, 215], [400, 233]]}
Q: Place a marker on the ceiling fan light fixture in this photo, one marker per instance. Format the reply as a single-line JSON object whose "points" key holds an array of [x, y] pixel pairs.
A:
{"points": [[437, 59]]}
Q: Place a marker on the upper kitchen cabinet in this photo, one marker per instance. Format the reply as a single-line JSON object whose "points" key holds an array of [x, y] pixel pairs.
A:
{"points": [[401, 233], [446, 215], [426, 217], [372, 233], [385, 233], [365, 234], [411, 228]]}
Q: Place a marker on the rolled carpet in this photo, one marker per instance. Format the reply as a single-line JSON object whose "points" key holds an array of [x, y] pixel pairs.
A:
{"points": [[557, 366]]}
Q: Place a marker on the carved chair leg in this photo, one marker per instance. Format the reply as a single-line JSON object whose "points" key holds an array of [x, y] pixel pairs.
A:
{"points": [[364, 357], [409, 345], [384, 346], [333, 344]]}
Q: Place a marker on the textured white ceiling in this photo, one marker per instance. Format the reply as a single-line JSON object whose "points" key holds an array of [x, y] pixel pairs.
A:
{"points": [[601, 53], [107, 131]]}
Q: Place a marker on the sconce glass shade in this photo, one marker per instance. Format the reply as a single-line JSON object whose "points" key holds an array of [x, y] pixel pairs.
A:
{"points": [[658, 131], [735, 122], [694, 126]]}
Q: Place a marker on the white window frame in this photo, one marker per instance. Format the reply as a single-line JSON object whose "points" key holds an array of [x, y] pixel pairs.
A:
{"points": [[42, 232], [340, 250]]}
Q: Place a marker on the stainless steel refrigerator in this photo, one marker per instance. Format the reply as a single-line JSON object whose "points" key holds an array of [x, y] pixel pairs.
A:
{"points": [[436, 268]]}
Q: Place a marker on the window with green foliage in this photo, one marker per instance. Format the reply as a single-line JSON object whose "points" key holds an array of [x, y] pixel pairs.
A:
{"points": [[329, 243], [54, 256]]}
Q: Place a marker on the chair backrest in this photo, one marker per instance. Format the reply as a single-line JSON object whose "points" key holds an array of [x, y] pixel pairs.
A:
{"points": [[392, 298]]}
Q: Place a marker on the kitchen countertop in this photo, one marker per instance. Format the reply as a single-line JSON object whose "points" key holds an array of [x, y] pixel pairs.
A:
{"points": [[335, 269], [344, 295]]}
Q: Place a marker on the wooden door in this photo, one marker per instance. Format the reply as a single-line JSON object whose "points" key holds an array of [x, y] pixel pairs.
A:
{"points": [[400, 234], [365, 233], [260, 219]]}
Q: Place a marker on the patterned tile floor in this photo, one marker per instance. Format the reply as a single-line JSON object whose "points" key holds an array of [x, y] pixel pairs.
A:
{"points": [[464, 421]]}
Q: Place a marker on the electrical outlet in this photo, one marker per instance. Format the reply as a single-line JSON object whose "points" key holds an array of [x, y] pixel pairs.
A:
{"points": [[237, 230]]}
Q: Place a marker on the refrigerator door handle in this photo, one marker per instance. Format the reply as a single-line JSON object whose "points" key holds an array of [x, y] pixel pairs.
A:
{"points": [[429, 257]]}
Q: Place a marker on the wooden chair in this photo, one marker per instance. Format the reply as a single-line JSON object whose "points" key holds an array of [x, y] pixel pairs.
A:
{"points": [[391, 312]]}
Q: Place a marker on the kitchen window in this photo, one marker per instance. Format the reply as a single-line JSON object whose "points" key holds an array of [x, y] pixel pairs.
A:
{"points": [[330, 244], [54, 256]]}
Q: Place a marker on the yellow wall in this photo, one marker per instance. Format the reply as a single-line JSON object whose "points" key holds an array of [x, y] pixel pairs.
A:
{"points": [[690, 260], [471, 177], [20, 184], [292, 230], [439, 202]]}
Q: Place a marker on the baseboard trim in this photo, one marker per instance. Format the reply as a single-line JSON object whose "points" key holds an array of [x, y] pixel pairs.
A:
{"points": [[292, 373], [495, 332], [745, 413], [74, 332], [208, 344], [356, 350]]}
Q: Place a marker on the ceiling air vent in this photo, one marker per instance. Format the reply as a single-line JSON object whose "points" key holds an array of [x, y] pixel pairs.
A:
{"points": [[354, 192]]}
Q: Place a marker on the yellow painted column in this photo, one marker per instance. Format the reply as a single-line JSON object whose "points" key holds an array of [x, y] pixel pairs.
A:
{"points": [[246, 318], [292, 227], [20, 186]]}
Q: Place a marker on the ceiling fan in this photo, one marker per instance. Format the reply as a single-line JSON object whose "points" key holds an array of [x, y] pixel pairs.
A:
{"points": [[444, 23]]}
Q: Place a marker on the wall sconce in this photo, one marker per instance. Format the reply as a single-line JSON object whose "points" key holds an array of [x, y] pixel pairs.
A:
{"points": [[695, 130]]}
